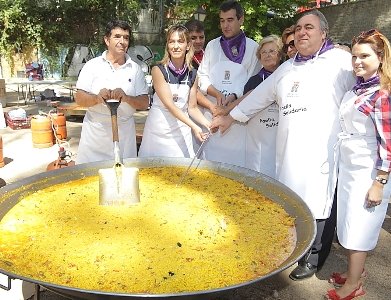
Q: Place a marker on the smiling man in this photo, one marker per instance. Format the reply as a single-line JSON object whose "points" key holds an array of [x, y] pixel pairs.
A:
{"points": [[197, 35], [113, 75], [308, 90], [228, 63]]}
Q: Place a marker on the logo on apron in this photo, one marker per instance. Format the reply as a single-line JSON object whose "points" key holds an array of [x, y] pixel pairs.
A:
{"points": [[175, 97], [235, 51], [227, 75], [295, 87]]}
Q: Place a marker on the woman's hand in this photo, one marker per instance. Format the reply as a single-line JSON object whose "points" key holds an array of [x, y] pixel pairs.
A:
{"points": [[199, 134], [374, 195]]}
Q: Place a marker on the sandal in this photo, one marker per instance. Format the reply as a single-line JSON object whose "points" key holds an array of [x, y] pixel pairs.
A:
{"points": [[339, 281], [332, 294]]}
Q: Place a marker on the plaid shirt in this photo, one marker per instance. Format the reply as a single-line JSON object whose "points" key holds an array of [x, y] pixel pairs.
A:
{"points": [[378, 107]]}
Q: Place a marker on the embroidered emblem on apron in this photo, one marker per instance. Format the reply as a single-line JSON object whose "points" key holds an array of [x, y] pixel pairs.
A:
{"points": [[234, 51], [295, 87]]}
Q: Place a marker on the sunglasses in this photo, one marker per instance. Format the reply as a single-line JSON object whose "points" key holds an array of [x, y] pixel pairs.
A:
{"points": [[290, 44], [366, 34]]}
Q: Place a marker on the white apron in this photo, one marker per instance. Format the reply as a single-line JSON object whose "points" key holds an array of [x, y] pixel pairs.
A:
{"points": [[229, 147], [164, 135], [96, 140], [261, 141], [358, 227], [308, 127]]}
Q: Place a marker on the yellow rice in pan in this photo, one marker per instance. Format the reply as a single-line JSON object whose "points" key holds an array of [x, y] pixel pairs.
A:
{"points": [[209, 233]]}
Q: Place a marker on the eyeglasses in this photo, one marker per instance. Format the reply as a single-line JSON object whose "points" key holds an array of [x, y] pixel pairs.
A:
{"points": [[271, 52], [290, 44]]}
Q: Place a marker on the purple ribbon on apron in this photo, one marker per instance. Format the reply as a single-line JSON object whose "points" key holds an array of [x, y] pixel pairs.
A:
{"points": [[327, 45], [263, 73], [175, 70], [234, 48]]}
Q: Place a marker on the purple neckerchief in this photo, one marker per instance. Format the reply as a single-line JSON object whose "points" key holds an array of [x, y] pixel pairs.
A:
{"points": [[234, 48], [263, 73], [327, 45], [175, 70], [362, 86]]}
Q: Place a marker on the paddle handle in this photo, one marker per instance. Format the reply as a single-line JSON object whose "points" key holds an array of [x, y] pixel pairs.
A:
{"points": [[114, 127], [113, 105]]}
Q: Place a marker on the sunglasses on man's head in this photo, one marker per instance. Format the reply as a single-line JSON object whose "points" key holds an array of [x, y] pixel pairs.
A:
{"points": [[286, 46]]}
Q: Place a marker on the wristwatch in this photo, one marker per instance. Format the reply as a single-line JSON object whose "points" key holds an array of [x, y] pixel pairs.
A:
{"points": [[381, 180]]}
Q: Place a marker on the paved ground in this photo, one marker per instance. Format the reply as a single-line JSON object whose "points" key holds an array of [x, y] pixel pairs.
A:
{"points": [[23, 160]]}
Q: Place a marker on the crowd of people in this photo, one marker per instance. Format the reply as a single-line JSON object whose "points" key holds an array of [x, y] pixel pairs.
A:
{"points": [[297, 108]]}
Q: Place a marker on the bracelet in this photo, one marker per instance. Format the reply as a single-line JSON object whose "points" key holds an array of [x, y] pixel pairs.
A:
{"points": [[381, 180], [236, 96]]}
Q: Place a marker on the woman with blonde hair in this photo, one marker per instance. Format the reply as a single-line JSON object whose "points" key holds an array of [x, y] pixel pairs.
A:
{"points": [[168, 127], [364, 161]]}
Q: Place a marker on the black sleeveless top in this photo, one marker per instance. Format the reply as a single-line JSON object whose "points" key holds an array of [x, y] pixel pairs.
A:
{"points": [[172, 77]]}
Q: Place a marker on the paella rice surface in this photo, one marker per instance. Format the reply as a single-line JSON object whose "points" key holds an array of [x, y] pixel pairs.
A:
{"points": [[211, 232]]}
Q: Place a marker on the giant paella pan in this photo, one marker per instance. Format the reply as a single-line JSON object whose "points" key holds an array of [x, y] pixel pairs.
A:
{"points": [[181, 229]]}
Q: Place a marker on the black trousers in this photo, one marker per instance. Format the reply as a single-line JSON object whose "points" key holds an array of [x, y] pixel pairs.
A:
{"points": [[324, 238]]}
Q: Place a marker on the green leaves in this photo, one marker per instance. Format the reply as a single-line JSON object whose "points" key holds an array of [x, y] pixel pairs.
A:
{"points": [[257, 21], [48, 24]]}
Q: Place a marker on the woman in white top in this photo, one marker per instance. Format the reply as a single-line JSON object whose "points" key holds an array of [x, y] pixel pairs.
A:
{"points": [[364, 164], [167, 131]]}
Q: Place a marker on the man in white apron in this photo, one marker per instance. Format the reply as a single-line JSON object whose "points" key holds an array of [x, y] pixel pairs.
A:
{"points": [[229, 61], [308, 89], [113, 75]]}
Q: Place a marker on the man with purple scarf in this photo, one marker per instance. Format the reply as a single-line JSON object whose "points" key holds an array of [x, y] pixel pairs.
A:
{"points": [[229, 61], [308, 89]]}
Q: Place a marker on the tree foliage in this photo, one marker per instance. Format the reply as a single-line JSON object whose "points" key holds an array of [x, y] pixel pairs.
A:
{"points": [[257, 21], [48, 24], [51, 25]]}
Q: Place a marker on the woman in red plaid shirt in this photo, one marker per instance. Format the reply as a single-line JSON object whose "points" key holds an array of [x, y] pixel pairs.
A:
{"points": [[364, 164]]}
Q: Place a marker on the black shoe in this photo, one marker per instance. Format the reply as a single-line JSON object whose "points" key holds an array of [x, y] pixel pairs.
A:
{"points": [[303, 271]]}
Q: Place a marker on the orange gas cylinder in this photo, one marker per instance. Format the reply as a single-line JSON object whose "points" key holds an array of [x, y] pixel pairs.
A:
{"points": [[60, 125], [42, 133], [1, 153]]}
